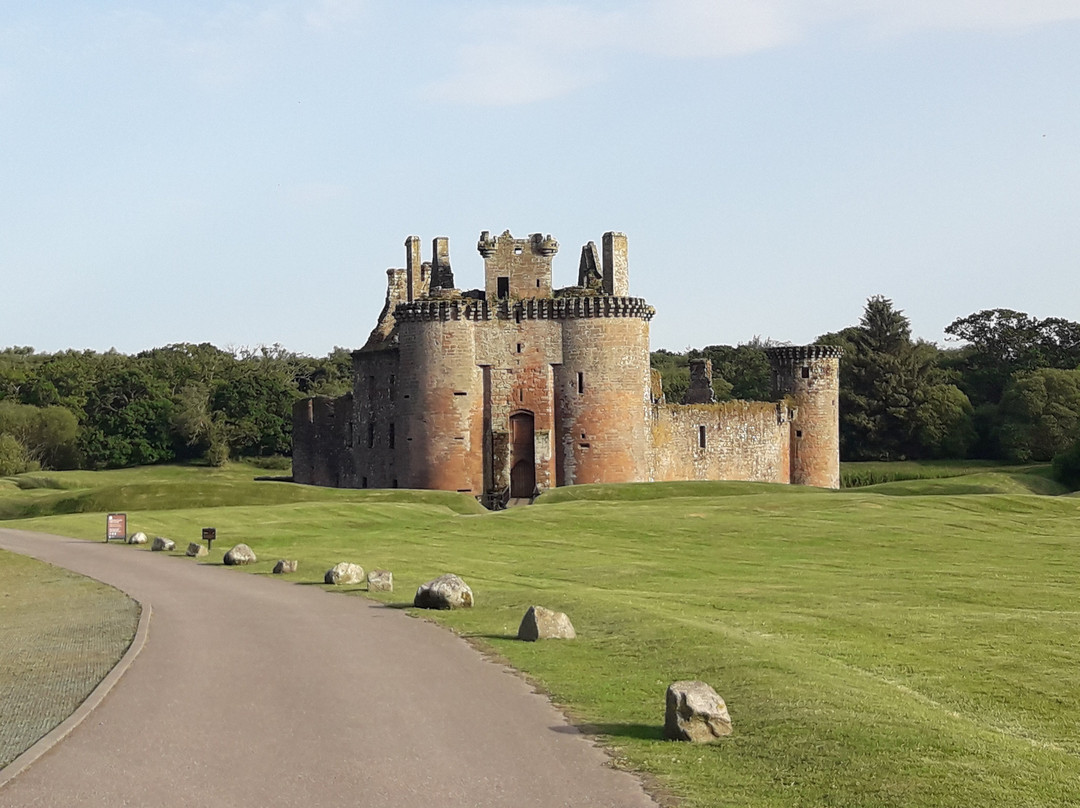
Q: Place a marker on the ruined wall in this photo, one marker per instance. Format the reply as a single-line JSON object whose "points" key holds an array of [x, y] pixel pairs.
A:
{"points": [[373, 435], [517, 268], [321, 451], [603, 392], [809, 376], [731, 440]]}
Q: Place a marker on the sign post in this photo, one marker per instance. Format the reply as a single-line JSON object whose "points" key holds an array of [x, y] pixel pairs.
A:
{"points": [[116, 527], [208, 536]]}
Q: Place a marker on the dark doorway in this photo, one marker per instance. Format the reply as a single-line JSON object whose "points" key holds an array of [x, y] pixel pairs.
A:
{"points": [[522, 455]]}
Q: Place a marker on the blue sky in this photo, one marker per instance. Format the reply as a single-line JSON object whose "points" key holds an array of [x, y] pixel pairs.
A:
{"points": [[243, 173]]}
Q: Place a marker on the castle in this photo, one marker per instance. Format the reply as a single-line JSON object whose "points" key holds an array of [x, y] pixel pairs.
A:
{"points": [[506, 391]]}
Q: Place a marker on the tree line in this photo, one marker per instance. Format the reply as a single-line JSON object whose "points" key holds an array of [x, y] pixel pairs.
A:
{"points": [[83, 409], [1010, 391]]}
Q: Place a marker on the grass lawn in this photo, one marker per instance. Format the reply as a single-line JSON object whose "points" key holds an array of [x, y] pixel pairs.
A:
{"points": [[60, 634], [874, 649]]}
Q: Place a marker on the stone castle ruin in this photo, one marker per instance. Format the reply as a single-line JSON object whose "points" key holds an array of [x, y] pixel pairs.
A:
{"points": [[506, 391]]}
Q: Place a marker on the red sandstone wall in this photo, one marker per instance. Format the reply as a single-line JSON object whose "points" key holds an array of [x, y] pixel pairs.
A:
{"points": [[441, 403], [810, 377], [601, 430], [744, 440]]}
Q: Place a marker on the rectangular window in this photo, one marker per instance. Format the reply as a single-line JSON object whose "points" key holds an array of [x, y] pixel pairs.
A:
{"points": [[519, 347], [391, 436], [580, 382], [701, 437], [502, 287], [371, 435], [806, 372]]}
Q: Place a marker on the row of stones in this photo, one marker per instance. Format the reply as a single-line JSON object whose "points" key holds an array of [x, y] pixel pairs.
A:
{"points": [[531, 309], [693, 710]]}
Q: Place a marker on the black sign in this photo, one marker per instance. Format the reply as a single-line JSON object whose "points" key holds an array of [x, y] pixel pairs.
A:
{"points": [[208, 536]]}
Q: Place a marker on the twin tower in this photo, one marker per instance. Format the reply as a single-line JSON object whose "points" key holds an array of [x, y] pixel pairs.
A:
{"points": [[506, 391]]}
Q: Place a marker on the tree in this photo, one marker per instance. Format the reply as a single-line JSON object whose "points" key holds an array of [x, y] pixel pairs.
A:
{"points": [[47, 435], [1040, 414], [1003, 342], [894, 401]]}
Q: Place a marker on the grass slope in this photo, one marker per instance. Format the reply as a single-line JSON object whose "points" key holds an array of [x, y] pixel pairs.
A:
{"points": [[874, 650]]}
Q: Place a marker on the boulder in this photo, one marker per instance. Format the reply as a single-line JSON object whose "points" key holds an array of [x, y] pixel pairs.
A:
{"points": [[285, 565], [161, 543], [380, 581], [137, 538], [445, 592], [543, 624], [695, 712], [196, 550], [344, 573], [240, 554]]}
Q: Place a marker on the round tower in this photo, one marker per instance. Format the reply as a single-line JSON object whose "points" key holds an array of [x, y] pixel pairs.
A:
{"points": [[809, 377], [441, 397], [602, 390]]}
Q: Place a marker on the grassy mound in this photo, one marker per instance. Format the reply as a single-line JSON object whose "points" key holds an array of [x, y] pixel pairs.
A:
{"points": [[177, 487]]}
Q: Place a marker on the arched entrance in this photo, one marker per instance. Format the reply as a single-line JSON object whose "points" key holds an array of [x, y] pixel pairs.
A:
{"points": [[522, 455]]}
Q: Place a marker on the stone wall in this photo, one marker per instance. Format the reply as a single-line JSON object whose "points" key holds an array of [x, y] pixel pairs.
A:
{"points": [[731, 440], [322, 452], [809, 376]]}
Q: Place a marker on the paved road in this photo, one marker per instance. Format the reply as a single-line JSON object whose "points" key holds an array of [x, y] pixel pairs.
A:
{"points": [[258, 692]]}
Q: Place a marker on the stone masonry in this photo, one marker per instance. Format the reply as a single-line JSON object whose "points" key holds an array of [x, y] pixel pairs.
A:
{"points": [[506, 391]]}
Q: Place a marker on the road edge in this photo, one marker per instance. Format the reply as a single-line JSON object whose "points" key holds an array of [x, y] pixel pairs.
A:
{"points": [[97, 695]]}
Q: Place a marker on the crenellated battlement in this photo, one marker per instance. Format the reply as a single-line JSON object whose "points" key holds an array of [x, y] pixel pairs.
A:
{"points": [[788, 354], [561, 308]]}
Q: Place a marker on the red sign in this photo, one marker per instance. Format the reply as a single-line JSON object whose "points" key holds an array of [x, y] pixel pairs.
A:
{"points": [[116, 526]]}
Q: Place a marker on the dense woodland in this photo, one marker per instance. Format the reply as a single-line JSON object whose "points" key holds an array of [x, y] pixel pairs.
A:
{"points": [[1009, 390]]}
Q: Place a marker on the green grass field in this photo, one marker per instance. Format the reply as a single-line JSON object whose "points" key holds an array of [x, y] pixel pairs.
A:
{"points": [[911, 643]]}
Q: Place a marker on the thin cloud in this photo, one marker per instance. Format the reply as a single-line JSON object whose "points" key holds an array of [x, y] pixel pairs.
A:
{"points": [[515, 53]]}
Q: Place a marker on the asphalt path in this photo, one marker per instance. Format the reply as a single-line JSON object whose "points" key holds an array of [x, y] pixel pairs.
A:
{"points": [[251, 691]]}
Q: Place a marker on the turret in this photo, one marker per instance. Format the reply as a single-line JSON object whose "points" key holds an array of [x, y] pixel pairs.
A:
{"points": [[809, 376]]}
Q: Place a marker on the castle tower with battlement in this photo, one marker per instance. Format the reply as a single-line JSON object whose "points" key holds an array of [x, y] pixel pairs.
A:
{"points": [[506, 391]]}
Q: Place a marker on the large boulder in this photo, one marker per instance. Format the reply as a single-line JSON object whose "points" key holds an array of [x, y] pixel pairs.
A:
{"points": [[695, 712], [161, 543], [285, 565], [445, 592], [344, 573], [543, 624], [196, 550], [137, 538], [380, 581], [240, 554]]}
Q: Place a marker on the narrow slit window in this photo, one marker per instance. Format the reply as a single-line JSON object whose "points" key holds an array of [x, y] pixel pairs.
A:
{"points": [[371, 435], [391, 436], [519, 347], [580, 382], [701, 439]]}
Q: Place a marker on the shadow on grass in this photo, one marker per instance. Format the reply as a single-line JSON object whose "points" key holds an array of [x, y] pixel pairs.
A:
{"points": [[402, 605], [641, 732], [481, 636]]}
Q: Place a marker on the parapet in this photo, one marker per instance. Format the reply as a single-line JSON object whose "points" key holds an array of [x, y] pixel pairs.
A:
{"points": [[789, 354]]}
